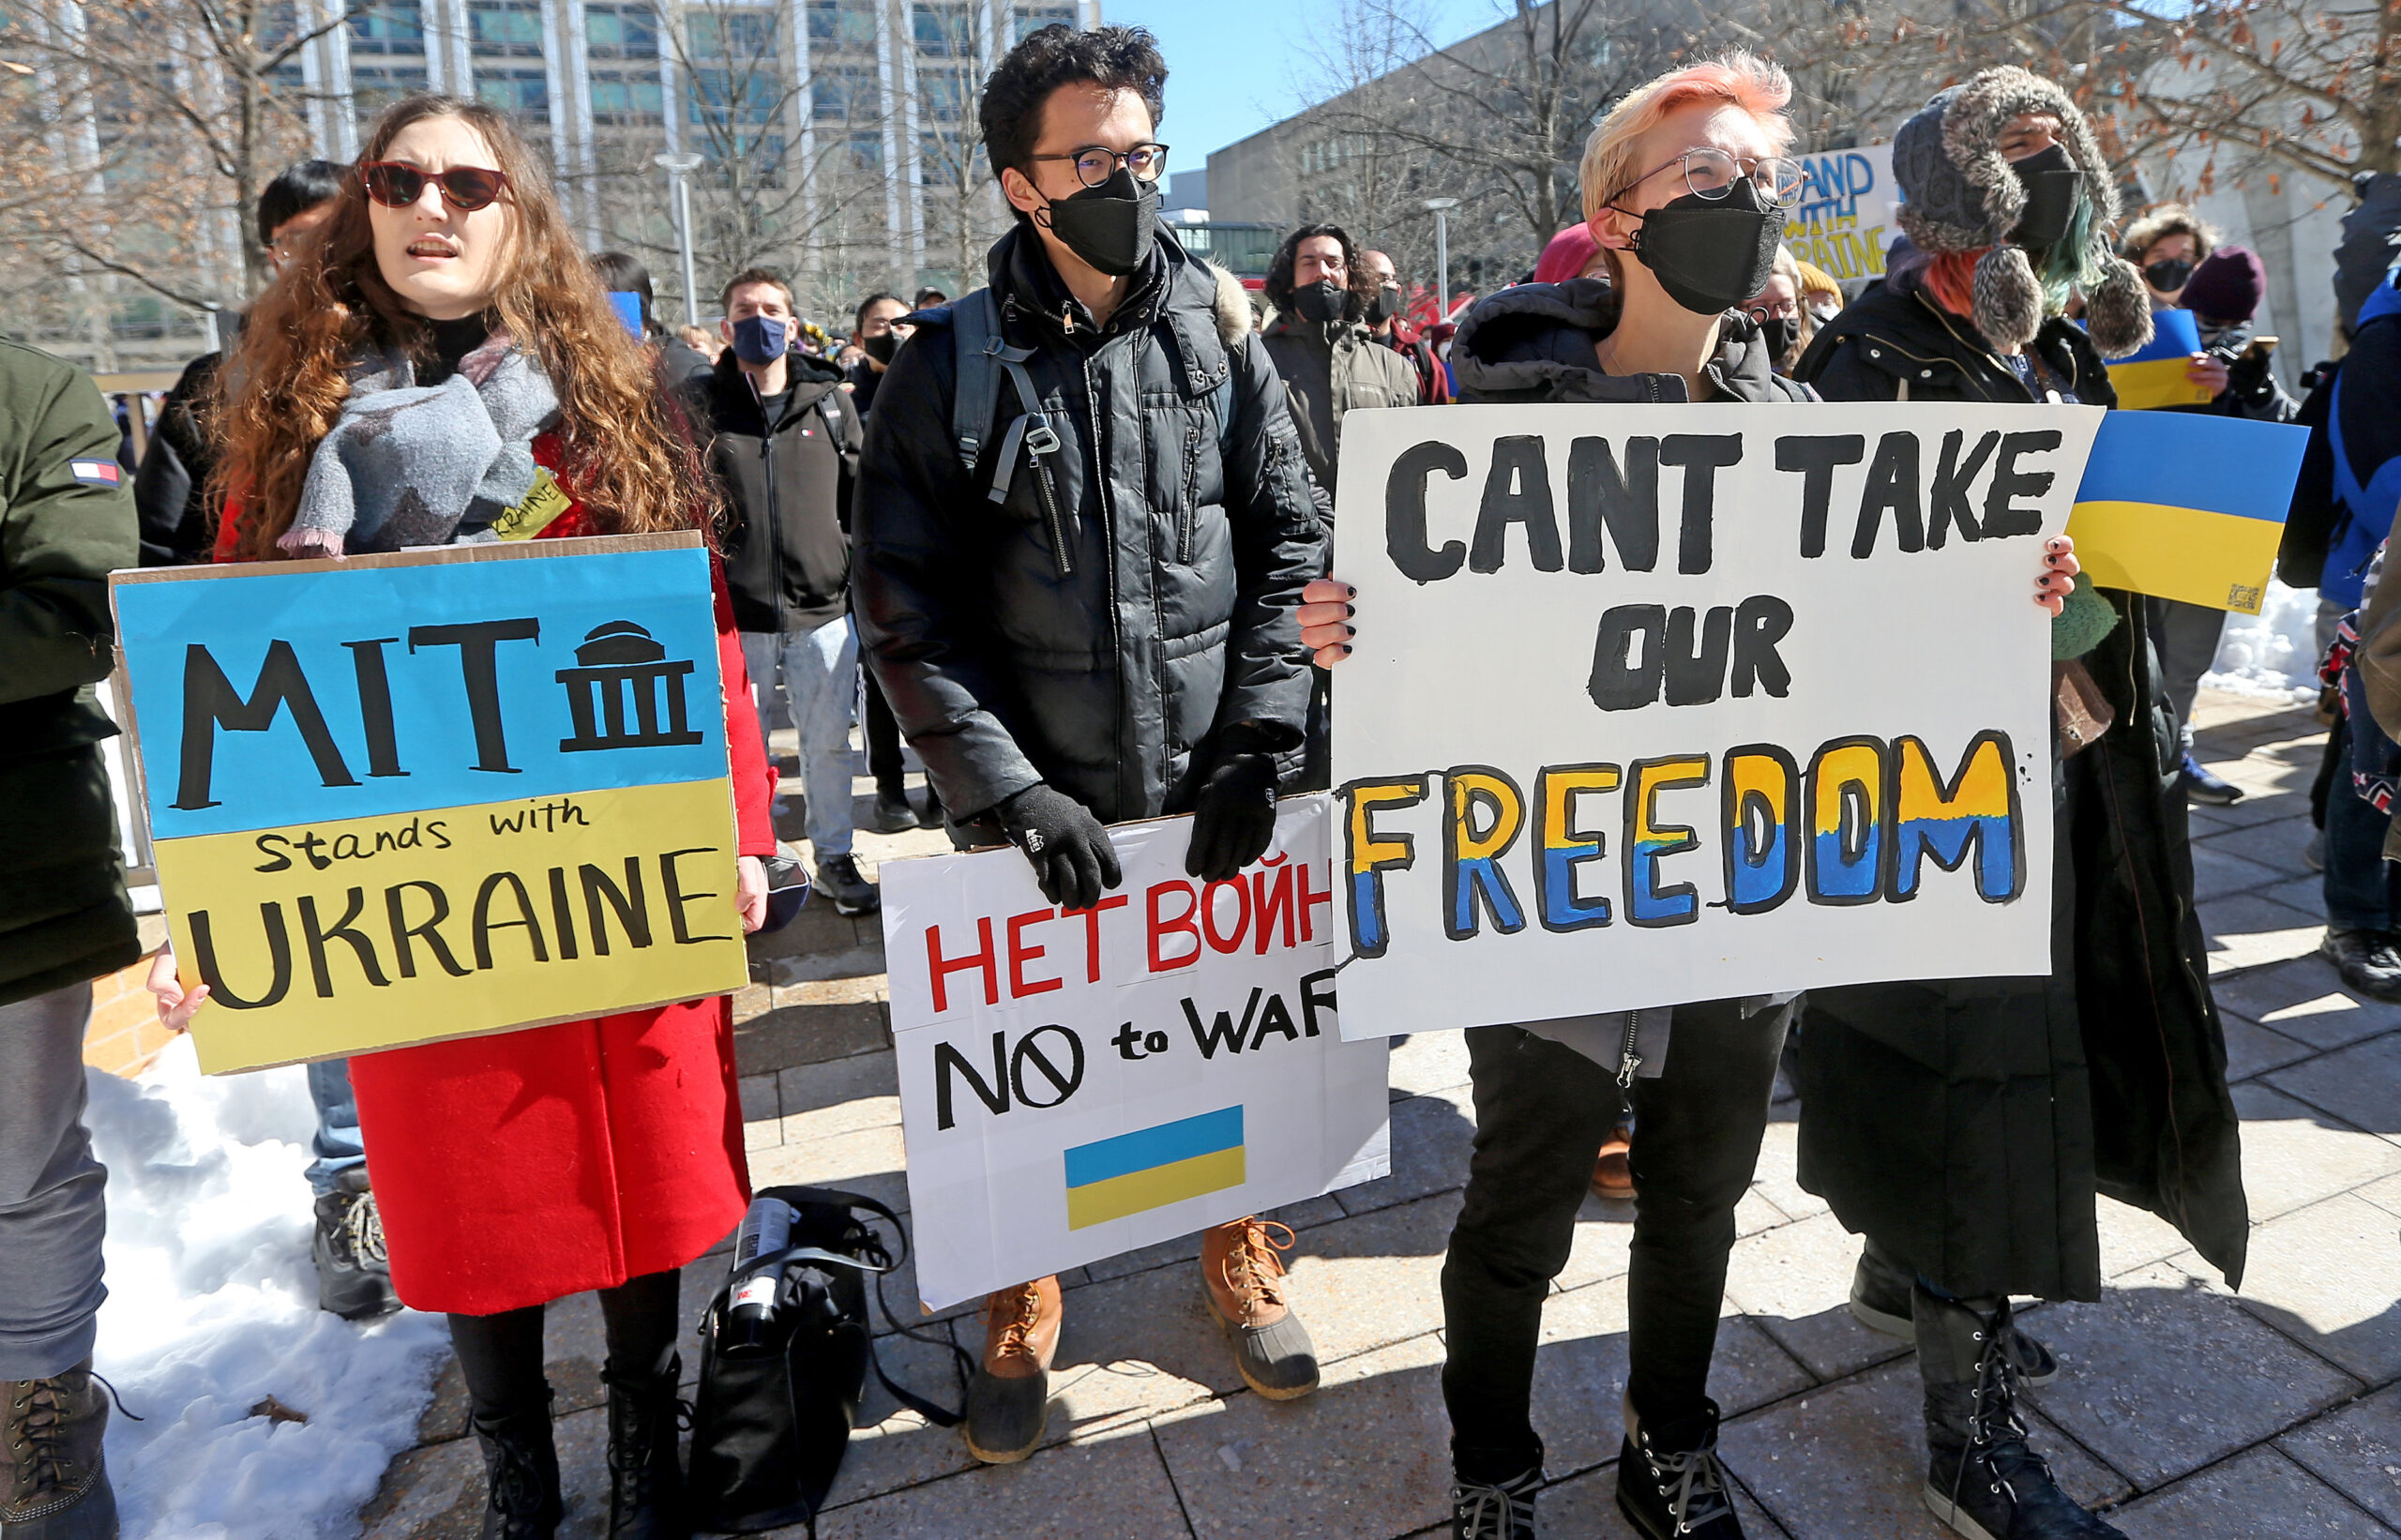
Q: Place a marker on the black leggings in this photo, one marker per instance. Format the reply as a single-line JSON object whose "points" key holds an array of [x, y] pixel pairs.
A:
{"points": [[882, 737], [1542, 1111], [501, 1354]]}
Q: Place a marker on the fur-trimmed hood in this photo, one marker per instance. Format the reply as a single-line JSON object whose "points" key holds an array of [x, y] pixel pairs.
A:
{"points": [[1961, 195]]}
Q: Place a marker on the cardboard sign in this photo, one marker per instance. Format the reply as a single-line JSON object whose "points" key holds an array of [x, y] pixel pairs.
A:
{"points": [[2155, 376], [400, 798], [1662, 703], [1077, 1083], [2188, 506], [1843, 221]]}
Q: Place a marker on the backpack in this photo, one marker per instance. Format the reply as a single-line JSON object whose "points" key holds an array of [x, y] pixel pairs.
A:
{"points": [[768, 1433]]}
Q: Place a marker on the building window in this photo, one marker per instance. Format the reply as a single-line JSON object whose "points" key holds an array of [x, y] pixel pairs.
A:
{"points": [[505, 27], [943, 31], [523, 92], [373, 90], [848, 94], [398, 28], [867, 152], [620, 31], [1032, 19], [630, 98]]}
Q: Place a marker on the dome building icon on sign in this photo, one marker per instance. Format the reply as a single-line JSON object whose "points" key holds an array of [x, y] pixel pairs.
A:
{"points": [[627, 693]]}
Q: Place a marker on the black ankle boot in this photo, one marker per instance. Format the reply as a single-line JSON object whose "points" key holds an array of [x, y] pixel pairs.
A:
{"points": [[53, 1482], [645, 1478], [522, 1466], [1982, 1479], [1669, 1484]]}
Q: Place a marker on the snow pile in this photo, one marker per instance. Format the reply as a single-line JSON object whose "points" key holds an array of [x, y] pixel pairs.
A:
{"points": [[2274, 653], [212, 1309]]}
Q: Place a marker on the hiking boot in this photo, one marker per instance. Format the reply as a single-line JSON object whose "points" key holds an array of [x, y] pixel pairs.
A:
{"points": [[788, 888], [53, 1485], [1880, 1301], [2202, 786], [1244, 1280], [1613, 1172], [1981, 1478], [645, 1480], [1503, 1511], [893, 814], [1669, 1484], [1010, 1396], [852, 893], [354, 1274], [521, 1498], [2366, 960]]}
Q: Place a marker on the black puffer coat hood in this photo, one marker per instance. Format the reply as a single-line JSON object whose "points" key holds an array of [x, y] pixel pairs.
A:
{"points": [[1104, 636], [1535, 343]]}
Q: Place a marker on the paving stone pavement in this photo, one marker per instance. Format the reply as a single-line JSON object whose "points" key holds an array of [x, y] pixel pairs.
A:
{"points": [[2185, 1410]]}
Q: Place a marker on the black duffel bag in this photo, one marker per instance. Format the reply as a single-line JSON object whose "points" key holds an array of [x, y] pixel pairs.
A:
{"points": [[769, 1429]]}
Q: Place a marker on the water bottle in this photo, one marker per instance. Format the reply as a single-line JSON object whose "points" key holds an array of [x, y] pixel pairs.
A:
{"points": [[750, 1317]]}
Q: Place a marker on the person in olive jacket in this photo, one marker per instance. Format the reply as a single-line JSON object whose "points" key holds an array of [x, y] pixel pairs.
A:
{"points": [[65, 520], [784, 441]]}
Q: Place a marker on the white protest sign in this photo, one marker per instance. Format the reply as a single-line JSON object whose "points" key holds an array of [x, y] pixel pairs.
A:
{"points": [[1843, 221], [1662, 703], [1077, 1083]]}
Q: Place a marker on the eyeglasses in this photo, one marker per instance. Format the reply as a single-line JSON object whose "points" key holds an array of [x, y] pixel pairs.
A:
{"points": [[1773, 310], [1096, 163], [396, 183], [1710, 173]]}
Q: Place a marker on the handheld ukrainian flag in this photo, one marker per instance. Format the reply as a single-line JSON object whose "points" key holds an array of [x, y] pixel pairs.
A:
{"points": [[1152, 1168], [2186, 507], [2155, 376]]}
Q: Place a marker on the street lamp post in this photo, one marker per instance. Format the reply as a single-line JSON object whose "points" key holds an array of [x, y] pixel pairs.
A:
{"points": [[1441, 207], [678, 167]]}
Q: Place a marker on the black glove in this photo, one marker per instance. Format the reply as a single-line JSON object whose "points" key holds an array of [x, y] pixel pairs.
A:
{"points": [[1073, 860], [1234, 820]]}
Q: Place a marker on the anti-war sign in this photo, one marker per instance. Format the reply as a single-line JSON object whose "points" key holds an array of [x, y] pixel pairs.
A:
{"points": [[1077, 1083], [408, 798], [1844, 221], [1662, 703]]}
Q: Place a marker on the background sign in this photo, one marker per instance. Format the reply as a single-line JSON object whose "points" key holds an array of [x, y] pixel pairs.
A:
{"points": [[1662, 703], [399, 798], [1077, 1083], [1843, 221], [2187, 505]]}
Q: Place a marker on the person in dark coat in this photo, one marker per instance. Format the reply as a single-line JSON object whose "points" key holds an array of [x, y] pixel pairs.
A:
{"points": [[1967, 1125], [169, 488], [1702, 145], [1120, 636], [878, 329]]}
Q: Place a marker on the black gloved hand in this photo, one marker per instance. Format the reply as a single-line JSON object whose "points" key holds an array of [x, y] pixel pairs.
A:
{"points": [[1073, 860], [1234, 820]]}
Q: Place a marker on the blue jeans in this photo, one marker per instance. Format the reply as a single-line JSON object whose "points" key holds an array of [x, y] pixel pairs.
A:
{"points": [[2359, 884], [819, 671], [337, 1144], [51, 1211]]}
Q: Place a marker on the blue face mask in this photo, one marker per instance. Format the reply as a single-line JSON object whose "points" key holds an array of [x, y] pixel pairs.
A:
{"points": [[761, 338]]}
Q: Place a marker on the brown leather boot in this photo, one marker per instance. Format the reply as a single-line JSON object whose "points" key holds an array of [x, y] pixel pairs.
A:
{"points": [[53, 1483], [1009, 1398], [1244, 1275]]}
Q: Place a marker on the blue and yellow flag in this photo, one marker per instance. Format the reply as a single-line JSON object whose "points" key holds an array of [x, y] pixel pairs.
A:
{"points": [[2155, 376], [1152, 1168], [2186, 507]]}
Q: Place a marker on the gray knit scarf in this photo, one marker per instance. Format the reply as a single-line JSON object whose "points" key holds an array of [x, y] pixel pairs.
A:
{"points": [[407, 463]]}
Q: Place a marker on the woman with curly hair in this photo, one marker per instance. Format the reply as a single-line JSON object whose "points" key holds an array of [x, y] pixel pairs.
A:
{"points": [[441, 350]]}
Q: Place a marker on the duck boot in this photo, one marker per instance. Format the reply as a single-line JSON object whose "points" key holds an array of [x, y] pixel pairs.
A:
{"points": [[354, 1273], [522, 1466], [1669, 1483], [1880, 1289], [1243, 1274], [645, 1476], [53, 1485], [1009, 1397], [1982, 1479]]}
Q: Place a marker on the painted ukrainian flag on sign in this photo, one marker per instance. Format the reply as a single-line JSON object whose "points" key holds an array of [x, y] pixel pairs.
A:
{"points": [[1152, 1168], [2186, 507], [2155, 376]]}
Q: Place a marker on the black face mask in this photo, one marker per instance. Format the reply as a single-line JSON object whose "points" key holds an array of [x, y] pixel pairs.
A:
{"points": [[2168, 274], [1777, 334], [1386, 305], [2052, 187], [1711, 256], [1322, 301], [1108, 226], [881, 348]]}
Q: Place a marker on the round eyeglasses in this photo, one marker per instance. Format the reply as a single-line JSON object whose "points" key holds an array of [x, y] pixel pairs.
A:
{"points": [[1096, 163], [1712, 173]]}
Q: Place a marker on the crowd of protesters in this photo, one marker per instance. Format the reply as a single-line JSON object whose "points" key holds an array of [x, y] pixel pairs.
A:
{"points": [[1058, 665]]}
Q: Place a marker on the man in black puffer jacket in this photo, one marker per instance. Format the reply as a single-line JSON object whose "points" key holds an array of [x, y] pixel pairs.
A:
{"points": [[1118, 636]]}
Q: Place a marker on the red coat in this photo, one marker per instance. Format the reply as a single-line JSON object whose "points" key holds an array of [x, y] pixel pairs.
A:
{"points": [[516, 1168]]}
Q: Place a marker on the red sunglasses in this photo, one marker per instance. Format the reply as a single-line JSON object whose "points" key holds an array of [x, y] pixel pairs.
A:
{"points": [[396, 183]]}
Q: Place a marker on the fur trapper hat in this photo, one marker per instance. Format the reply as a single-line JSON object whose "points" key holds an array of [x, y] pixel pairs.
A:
{"points": [[1960, 195]]}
